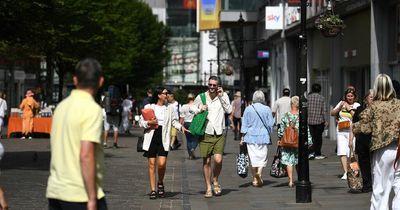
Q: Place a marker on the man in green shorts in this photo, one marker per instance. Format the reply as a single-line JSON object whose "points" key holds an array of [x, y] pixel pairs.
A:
{"points": [[212, 144]]}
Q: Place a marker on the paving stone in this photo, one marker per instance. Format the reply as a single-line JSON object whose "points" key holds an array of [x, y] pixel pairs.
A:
{"points": [[25, 169]]}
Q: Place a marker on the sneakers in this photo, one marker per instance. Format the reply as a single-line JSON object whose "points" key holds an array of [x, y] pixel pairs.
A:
{"points": [[320, 157], [23, 137], [30, 138], [116, 145], [311, 156], [344, 177]]}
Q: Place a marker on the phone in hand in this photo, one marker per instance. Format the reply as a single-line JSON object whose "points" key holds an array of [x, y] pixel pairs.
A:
{"points": [[219, 90]]}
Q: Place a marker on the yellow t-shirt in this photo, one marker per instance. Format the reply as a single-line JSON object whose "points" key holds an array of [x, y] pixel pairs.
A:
{"points": [[77, 118]]}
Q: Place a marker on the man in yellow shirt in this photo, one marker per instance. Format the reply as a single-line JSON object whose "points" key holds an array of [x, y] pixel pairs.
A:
{"points": [[77, 160]]}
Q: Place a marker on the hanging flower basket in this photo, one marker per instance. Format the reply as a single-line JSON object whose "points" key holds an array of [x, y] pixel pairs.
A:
{"points": [[329, 24], [228, 70], [331, 32]]}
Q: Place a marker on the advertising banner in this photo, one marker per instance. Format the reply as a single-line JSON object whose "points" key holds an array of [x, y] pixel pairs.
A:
{"points": [[189, 4], [208, 51], [182, 67], [208, 14]]}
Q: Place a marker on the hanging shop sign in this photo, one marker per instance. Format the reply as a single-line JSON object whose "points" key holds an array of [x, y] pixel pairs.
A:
{"points": [[274, 18]]}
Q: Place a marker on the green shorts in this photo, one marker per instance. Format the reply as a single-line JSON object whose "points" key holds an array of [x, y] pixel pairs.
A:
{"points": [[211, 144]]}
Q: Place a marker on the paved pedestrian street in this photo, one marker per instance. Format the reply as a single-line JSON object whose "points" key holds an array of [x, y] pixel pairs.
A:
{"points": [[25, 169]]}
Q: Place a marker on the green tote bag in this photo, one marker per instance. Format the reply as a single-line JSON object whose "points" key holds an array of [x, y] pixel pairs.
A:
{"points": [[198, 125]]}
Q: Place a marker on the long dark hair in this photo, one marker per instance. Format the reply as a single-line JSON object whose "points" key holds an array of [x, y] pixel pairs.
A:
{"points": [[157, 92]]}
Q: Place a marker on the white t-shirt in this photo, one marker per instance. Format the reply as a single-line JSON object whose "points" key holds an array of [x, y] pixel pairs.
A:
{"points": [[281, 106], [159, 112], [186, 114]]}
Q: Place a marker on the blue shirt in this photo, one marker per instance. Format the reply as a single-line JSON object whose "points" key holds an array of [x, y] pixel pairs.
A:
{"points": [[254, 129]]}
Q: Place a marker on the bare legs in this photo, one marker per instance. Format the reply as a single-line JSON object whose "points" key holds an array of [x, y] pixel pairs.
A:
{"points": [[257, 171], [115, 138], [162, 163], [290, 174], [208, 172]]}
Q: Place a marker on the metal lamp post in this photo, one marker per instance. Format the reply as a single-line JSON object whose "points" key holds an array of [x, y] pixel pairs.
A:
{"points": [[241, 55], [303, 185]]}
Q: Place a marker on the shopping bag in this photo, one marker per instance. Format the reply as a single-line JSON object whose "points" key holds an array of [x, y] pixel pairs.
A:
{"points": [[139, 145], [278, 170], [198, 125], [242, 162], [343, 125], [354, 178], [290, 138]]}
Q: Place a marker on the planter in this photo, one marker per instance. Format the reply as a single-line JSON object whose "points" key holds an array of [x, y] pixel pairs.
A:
{"points": [[331, 31]]}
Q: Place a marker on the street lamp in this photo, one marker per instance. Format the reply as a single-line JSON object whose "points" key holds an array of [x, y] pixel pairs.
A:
{"points": [[303, 185], [241, 53]]}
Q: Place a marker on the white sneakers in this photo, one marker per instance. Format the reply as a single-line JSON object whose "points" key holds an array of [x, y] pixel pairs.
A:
{"points": [[344, 177], [320, 157]]}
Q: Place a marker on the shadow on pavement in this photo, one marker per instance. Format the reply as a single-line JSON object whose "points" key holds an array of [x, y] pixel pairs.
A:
{"points": [[27, 160]]}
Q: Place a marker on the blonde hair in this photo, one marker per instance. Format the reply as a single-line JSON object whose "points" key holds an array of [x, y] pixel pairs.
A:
{"points": [[294, 101], [383, 88]]}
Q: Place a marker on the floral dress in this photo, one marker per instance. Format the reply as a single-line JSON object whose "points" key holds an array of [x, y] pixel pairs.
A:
{"points": [[290, 155]]}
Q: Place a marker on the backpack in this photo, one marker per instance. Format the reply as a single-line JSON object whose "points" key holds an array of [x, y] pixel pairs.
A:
{"points": [[290, 138], [115, 107]]}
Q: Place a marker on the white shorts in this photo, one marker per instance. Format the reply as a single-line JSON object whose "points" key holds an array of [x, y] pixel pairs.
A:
{"points": [[110, 121], [343, 144]]}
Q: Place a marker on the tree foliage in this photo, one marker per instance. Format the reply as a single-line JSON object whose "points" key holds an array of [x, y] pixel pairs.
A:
{"points": [[123, 35]]}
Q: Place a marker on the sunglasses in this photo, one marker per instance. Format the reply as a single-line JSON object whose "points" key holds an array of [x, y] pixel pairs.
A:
{"points": [[212, 85]]}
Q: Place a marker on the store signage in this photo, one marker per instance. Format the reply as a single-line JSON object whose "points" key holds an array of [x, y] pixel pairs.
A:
{"points": [[262, 54], [292, 15], [274, 18]]}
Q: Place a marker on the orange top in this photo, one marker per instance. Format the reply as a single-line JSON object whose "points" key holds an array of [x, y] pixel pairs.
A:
{"points": [[27, 105]]}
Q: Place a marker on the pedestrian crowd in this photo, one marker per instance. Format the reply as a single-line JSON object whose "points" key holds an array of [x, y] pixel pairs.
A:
{"points": [[81, 126]]}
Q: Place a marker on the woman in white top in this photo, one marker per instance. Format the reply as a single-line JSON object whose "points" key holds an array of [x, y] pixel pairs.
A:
{"points": [[157, 137], [186, 120], [344, 112]]}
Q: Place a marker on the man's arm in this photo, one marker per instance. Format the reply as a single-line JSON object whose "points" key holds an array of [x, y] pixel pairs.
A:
{"points": [[226, 105], [88, 169]]}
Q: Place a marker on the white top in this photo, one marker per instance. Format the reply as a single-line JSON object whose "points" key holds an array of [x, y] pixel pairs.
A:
{"points": [[186, 114], [169, 121], [159, 111], [3, 107], [175, 104], [216, 108], [344, 115], [281, 106], [126, 106]]}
